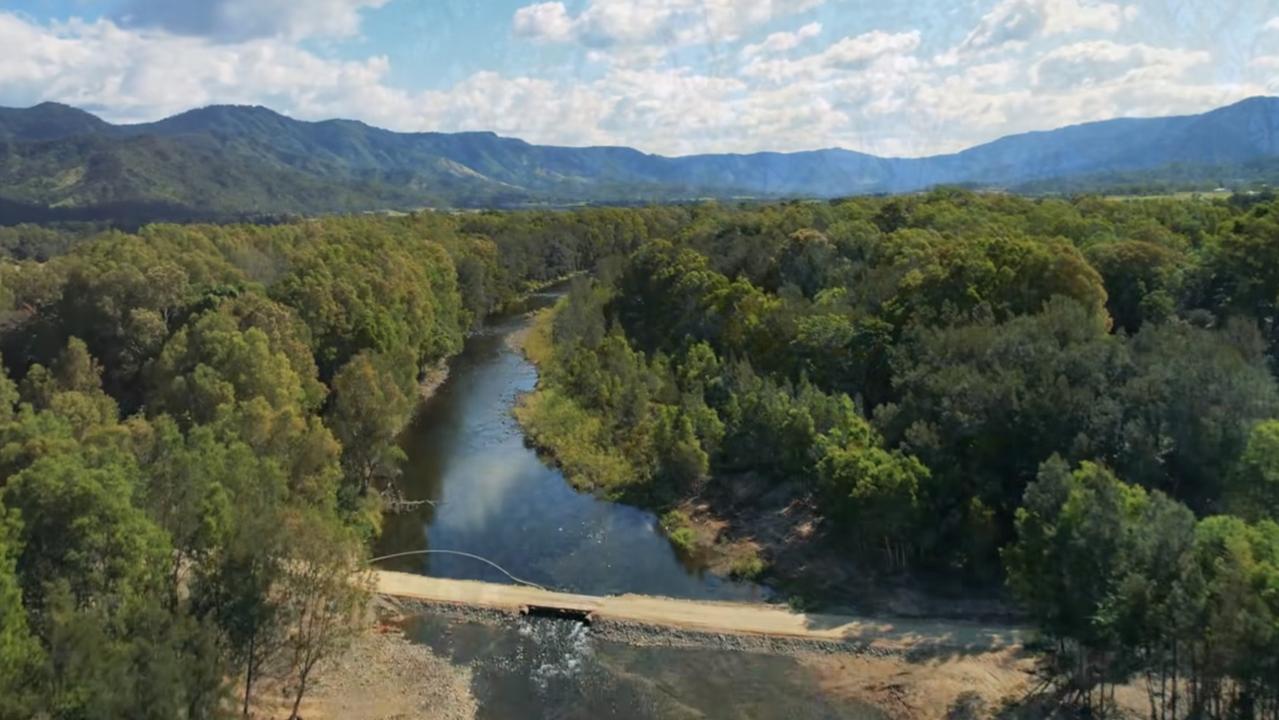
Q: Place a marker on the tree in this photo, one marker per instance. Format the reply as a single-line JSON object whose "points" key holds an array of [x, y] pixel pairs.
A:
{"points": [[871, 490], [1072, 533], [188, 487], [1155, 605], [287, 334], [211, 363], [682, 461], [236, 587], [72, 389], [80, 527], [372, 287], [1233, 651], [1188, 407], [1142, 280], [983, 404], [806, 261], [1253, 485], [20, 655], [298, 443], [1243, 271], [367, 411], [325, 595], [8, 395]]}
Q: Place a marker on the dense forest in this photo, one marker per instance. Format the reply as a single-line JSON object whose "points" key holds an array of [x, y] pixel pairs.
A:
{"points": [[197, 430], [1075, 399]]}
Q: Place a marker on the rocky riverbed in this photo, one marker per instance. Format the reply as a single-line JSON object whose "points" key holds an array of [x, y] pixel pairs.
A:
{"points": [[386, 676]]}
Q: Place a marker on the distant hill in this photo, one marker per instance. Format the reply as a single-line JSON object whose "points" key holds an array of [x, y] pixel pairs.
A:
{"points": [[235, 161], [49, 121]]}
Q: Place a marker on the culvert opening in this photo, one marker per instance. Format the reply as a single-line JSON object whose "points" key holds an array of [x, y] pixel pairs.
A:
{"points": [[557, 613]]}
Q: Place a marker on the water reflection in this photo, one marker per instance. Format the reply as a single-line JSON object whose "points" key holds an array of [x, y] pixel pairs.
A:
{"points": [[496, 498]]}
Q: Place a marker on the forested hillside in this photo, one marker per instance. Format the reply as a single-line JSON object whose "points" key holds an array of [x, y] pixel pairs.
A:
{"points": [[1076, 398], [235, 162]]}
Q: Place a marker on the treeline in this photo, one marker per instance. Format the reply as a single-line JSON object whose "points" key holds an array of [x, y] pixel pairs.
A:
{"points": [[1044, 391], [41, 242], [1254, 176], [198, 426]]}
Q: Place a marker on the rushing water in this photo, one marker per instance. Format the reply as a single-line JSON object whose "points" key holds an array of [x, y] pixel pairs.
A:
{"points": [[495, 497]]}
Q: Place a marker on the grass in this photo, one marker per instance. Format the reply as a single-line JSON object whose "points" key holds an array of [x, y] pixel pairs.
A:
{"points": [[747, 564], [679, 528], [577, 439], [557, 424], [536, 343]]}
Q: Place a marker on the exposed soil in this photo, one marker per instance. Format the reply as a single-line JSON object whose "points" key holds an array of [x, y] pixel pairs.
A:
{"points": [[432, 380], [742, 514], [999, 685], [981, 684], [382, 676]]}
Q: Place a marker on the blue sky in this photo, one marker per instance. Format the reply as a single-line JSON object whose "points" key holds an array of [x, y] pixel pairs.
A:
{"points": [[667, 76]]}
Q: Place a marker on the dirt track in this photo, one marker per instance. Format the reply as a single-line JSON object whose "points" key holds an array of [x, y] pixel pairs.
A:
{"points": [[892, 636]]}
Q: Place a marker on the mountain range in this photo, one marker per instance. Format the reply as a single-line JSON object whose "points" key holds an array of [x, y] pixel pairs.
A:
{"points": [[59, 162]]}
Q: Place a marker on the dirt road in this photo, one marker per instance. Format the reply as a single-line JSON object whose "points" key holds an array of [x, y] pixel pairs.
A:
{"points": [[710, 617]]}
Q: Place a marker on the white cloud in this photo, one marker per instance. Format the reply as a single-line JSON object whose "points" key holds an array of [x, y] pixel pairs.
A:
{"points": [[854, 51], [1272, 25], [780, 42], [235, 20], [142, 75], [548, 21], [1013, 21], [1101, 62], [564, 114], [605, 23], [850, 53]]}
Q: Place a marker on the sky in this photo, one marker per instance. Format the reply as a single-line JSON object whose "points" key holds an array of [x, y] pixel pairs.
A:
{"points": [[890, 77]]}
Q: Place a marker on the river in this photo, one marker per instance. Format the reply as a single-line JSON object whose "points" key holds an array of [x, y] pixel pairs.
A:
{"points": [[493, 496]]}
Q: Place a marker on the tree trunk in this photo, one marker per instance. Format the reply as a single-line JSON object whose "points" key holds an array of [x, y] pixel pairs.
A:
{"points": [[248, 675], [297, 699]]}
